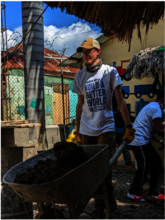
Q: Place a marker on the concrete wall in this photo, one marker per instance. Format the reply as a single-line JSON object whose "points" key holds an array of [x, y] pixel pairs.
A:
{"points": [[73, 99]]}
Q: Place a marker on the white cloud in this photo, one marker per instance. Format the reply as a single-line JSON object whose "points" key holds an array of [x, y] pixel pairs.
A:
{"points": [[13, 37], [70, 37], [3, 39]]}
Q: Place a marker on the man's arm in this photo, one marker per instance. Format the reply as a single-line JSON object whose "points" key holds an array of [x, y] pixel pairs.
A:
{"points": [[159, 127], [154, 137], [122, 105], [79, 111]]}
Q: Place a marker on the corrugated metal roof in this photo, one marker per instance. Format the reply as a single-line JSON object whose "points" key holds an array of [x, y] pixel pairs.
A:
{"points": [[51, 61], [75, 63], [74, 60], [47, 52], [71, 63], [102, 39]]}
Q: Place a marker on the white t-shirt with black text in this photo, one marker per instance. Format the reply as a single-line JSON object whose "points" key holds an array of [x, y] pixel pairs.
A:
{"points": [[144, 125], [97, 89]]}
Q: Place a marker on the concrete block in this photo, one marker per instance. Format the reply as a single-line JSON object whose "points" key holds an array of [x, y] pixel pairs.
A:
{"points": [[53, 135], [50, 146], [28, 153], [53, 130], [14, 137], [21, 136], [50, 139], [33, 133]]}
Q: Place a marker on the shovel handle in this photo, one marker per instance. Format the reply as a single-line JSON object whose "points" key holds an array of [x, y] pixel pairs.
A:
{"points": [[117, 154]]}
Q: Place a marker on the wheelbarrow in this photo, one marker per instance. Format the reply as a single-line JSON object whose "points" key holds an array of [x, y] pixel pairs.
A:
{"points": [[75, 188]]}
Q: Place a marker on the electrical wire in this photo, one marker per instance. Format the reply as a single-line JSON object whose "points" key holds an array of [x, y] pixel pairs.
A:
{"points": [[27, 32]]}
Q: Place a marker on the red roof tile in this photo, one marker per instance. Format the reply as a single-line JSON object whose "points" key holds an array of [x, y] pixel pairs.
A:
{"points": [[50, 65]]}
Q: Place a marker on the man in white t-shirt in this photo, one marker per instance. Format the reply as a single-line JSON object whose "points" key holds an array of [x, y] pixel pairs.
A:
{"points": [[95, 85], [148, 121]]}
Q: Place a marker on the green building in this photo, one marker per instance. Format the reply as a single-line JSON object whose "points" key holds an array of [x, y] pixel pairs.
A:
{"points": [[52, 88]]}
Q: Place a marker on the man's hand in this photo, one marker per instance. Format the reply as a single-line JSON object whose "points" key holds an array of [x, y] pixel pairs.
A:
{"points": [[71, 137], [77, 138], [159, 127], [74, 137], [129, 135]]}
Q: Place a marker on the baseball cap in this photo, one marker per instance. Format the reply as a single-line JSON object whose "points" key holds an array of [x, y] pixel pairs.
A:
{"points": [[88, 43]]}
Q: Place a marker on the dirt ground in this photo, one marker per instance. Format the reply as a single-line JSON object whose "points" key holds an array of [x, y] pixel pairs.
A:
{"points": [[126, 208]]}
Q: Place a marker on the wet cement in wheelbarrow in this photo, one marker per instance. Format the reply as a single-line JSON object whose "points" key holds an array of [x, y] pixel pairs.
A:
{"points": [[69, 156]]}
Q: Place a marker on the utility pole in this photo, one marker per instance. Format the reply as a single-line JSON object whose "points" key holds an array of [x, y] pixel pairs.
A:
{"points": [[33, 47], [62, 82]]}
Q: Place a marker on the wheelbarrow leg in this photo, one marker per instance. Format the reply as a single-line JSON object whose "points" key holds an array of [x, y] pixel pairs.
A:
{"points": [[104, 197], [41, 208], [75, 211], [107, 205]]}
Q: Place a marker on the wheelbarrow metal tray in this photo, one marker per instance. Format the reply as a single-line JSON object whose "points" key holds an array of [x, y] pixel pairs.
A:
{"points": [[76, 187]]}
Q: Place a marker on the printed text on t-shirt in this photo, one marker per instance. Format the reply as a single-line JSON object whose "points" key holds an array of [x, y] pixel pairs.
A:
{"points": [[95, 95]]}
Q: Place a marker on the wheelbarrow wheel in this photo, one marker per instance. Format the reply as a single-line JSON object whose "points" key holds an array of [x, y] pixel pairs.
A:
{"points": [[50, 214]]}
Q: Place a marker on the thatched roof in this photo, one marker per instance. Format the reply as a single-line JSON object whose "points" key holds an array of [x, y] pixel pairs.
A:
{"points": [[147, 63], [117, 18]]}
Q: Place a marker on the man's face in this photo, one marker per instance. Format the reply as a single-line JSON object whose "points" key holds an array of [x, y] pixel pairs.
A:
{"points": [[90, 55]]}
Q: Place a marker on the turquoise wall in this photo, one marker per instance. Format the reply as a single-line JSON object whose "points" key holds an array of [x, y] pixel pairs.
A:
{"points": [[73, 99], [17, 94], [16, 82]]}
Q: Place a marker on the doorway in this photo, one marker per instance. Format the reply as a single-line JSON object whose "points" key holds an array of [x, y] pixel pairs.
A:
{"points": [[58, 104]]}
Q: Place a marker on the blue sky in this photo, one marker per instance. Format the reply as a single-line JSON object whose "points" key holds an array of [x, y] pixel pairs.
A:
{"points": [[70, 30]]}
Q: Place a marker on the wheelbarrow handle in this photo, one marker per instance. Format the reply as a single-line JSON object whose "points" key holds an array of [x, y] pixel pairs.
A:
{"points": [[117, 154]]}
